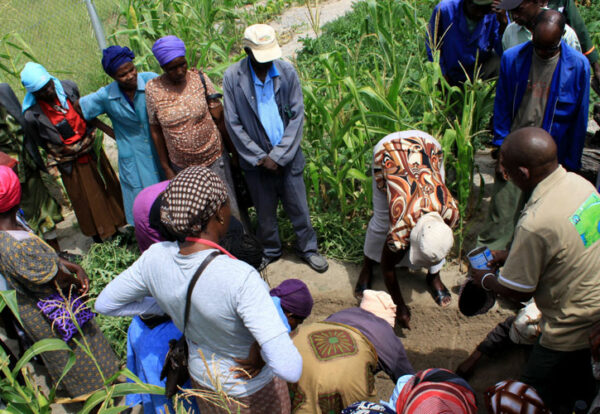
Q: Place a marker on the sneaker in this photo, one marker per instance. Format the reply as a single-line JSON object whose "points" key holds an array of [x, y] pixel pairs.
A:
{"points": [[316, 262], [267, 261]]}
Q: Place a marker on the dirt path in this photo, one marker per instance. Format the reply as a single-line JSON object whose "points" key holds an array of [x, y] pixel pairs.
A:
{"points": [[294, 24]]}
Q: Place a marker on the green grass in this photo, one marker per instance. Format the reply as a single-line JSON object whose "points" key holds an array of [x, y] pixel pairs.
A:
{"points": [[60, 37], [103, 263]]}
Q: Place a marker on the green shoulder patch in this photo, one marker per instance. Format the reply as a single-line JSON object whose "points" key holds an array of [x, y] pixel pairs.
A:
{"points": [[587, 220]]}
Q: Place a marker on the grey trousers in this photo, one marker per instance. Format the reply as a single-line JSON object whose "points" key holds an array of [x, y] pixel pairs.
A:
{"points": [[222, 168], [266, 189], [503, 213]]}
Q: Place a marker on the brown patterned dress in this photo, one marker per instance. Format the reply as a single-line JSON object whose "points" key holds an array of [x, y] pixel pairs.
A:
{"points": [[181, 110], [30, 266]]}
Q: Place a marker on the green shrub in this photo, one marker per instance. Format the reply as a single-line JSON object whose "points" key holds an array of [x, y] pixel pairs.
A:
{"points": [[104, 262]]}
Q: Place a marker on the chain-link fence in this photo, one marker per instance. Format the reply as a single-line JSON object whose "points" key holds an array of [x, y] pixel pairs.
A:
{"points": [[58, 34]]}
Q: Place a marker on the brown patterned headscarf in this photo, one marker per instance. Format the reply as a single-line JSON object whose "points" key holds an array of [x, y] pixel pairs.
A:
{"points": [[408, 170], [191, 199]]}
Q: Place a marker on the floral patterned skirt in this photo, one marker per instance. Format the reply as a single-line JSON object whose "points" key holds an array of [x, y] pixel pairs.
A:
{"points": [[84, 376]]}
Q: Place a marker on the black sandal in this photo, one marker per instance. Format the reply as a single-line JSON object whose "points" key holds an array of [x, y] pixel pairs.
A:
{"points": [[439, 295]]}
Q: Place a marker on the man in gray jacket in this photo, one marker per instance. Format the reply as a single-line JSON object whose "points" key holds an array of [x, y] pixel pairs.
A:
{"points": [[264, 114]]}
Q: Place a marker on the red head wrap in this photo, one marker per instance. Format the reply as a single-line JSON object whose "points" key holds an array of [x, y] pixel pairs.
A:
{"points": [[10, 189]]}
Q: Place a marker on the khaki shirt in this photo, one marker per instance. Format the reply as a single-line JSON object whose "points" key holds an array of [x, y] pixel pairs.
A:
{"points": [[556, 255]]}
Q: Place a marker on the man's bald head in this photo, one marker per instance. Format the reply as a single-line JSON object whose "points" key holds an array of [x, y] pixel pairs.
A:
{"points": [[528, 155], [549, 27]]}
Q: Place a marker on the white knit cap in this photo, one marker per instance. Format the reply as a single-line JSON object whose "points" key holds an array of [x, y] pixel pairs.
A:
{"points": [[261, 39], [430, 240]]}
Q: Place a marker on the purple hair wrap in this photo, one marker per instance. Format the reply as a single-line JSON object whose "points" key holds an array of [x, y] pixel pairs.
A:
{"points": [[55, 309], [115, 56], [295, 297], [168, 48]]}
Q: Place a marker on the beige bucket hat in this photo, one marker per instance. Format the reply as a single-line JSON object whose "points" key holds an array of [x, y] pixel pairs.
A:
{"points": [[430, 240], [261, 39]]}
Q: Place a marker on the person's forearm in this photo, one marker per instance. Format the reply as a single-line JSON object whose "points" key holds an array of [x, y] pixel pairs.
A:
{"points": [[282, 356], [491, 283], [389, 260], [161, 148], [102, 127], [106, 305]]}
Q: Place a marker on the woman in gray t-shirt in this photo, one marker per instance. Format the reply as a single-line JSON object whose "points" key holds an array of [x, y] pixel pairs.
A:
{"points": [[230, 307]]}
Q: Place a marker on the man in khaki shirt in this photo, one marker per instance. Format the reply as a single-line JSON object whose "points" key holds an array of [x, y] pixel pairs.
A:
{"points": [[554, 258]]}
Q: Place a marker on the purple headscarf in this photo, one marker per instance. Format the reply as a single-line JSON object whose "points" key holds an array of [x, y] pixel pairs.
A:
{"points": [[295, 297], [168, 48], [115, 56]]}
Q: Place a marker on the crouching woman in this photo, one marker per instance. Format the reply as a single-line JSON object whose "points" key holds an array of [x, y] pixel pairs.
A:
{"points": [[230, 305], [44, 283]]}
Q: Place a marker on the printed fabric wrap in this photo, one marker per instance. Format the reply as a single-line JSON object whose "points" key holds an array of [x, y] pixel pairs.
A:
{"points": [[56, 309], [436, 390], [338, 368], [409, 171]]}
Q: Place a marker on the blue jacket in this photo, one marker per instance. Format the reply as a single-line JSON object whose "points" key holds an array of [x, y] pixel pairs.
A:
{"points": [[458, 44], [566, 115]]}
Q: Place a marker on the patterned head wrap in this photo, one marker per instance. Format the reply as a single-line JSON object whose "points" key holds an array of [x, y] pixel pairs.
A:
{"points": [[168, 48], [34, 77], [10, 189], [295, 297], [113, 57], [191, 199], [436, 390], [514, 397]]}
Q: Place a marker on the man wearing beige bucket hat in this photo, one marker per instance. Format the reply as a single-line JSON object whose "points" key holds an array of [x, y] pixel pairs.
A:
{"points": [[413, 211], [264, 114]]}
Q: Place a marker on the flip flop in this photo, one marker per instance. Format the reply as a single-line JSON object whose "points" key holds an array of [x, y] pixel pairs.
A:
{"points": [[439, 295]]}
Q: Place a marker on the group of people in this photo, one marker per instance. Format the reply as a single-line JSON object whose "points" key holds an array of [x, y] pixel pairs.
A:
{"points": [[182, 153]]}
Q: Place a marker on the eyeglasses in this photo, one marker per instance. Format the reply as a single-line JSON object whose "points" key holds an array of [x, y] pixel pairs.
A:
{"points": [[546, 48]]}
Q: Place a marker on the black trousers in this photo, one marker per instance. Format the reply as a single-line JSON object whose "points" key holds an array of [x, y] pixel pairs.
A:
{"points": [[560, 378]]}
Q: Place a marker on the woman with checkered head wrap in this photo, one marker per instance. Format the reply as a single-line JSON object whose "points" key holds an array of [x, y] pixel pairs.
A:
{"points": [[230, 306], [195, 203]]}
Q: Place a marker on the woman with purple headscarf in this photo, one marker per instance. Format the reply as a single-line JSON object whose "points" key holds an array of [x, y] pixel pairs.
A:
{"points": [[183, 130], [124, 101]]}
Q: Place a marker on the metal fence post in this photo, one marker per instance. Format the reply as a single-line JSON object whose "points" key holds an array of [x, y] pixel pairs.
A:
{"points": [[96, 24]]}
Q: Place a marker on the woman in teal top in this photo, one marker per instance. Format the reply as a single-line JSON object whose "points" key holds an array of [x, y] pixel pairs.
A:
{"points": [[124, 101]]}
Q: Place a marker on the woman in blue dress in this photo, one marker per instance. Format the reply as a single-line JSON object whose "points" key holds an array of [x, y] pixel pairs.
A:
{"points": [[124, 101]]}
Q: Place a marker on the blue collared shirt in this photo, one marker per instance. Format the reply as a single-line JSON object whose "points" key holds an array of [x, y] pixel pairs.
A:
{"points": [[268, 112], [138, 162]]}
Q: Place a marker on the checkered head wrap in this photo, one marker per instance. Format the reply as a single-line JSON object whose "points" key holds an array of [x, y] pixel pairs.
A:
{"points": [[191, 199]]}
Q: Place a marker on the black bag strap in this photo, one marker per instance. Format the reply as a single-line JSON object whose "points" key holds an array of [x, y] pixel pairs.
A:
{"points": [[208, 97], [190, 289]]}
